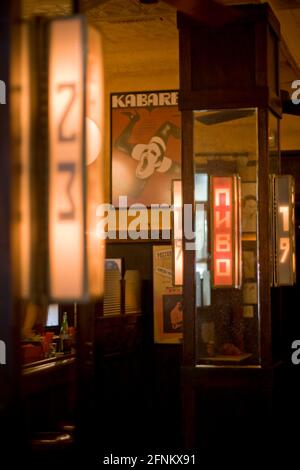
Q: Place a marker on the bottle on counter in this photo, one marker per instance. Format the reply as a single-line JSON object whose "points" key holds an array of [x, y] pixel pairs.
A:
{"points": [[64, 332]]}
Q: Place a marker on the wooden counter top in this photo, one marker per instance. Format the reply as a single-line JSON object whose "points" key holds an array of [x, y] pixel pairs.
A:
{"points": [[48, 373]]}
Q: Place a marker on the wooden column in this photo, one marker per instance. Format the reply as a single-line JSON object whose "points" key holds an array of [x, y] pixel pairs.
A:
{"points": [[9, 327]]}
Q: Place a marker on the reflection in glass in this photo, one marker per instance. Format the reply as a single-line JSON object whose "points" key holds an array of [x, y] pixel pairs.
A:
{"points": [[201, 231], [225, 148], [201, 186], [274, 144]]}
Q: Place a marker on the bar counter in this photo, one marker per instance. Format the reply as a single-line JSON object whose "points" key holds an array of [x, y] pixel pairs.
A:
{"points": [[40, 375], [49, 393]]}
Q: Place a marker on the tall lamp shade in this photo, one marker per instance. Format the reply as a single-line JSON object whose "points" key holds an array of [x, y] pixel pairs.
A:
{"points": [[177, 233], [75, 104], [25, 233], [283, 230]]}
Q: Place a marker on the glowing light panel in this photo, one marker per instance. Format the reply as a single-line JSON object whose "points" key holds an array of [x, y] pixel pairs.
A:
{"points": [[177, 230], [225, 231]]}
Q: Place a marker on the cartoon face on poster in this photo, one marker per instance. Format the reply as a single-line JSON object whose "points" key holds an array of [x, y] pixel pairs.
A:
{"points": [[145, 146]]}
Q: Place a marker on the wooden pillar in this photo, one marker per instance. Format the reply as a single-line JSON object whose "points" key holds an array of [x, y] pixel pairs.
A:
{"points": [[85, 410], [230, 68], [9, 318]]}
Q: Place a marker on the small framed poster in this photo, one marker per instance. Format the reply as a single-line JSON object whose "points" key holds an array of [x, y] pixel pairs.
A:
{"points": [[249, 208], [168, 300]]}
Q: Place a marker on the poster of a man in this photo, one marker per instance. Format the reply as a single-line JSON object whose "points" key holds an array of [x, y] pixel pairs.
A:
{"points": [[249, 213], [249, 264], [145, 146], [173, 313]]}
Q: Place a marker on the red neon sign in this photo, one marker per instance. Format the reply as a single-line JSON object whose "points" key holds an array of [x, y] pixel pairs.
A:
{"points": [[225, 235]]}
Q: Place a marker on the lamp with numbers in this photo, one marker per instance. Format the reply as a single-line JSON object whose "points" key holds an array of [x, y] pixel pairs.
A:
{"points": [[66, 257]]}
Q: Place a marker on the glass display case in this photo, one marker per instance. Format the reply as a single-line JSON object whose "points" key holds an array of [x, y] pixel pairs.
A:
{"points": [[231, 108], [226, 220]]}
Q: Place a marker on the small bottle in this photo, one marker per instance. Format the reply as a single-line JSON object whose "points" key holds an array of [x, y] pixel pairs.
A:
{"points": [[64, 331]]}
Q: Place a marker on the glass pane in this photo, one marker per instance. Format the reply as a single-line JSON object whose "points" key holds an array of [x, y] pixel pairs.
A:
{"points": [[274, 169], [226, 222], [201, 186], [274, 160]]}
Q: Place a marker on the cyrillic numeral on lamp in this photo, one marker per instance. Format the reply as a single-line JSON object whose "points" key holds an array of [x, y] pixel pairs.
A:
{"points": [[284, 265], [66, 159]]}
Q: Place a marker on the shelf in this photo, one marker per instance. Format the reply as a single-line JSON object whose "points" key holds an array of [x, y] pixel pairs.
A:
{"points": [[226, 358]]}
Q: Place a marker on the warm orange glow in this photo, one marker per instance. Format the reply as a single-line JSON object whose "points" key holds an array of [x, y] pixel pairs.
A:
{"points": [[66, 208], [76, 110], [284, 210], [93, 141], [284, 230], [284, 248], [25, 180], [284, 242], [177, 230], [94, 151]]}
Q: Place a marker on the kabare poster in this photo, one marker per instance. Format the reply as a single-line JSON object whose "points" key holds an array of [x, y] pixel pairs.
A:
{"points": [[145, 146]]}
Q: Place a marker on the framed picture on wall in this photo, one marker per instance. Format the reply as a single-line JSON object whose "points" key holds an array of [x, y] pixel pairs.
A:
{"points": [[249, 264], [250, 293], [167, 299], [249, 208], [145, 147]]}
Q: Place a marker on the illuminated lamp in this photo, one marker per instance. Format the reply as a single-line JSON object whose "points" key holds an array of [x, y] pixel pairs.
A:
{"points": [[283, 230], [75, 123], [93, 141], [177, 233], [61, 258], [225, 233], [25, 226]]}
